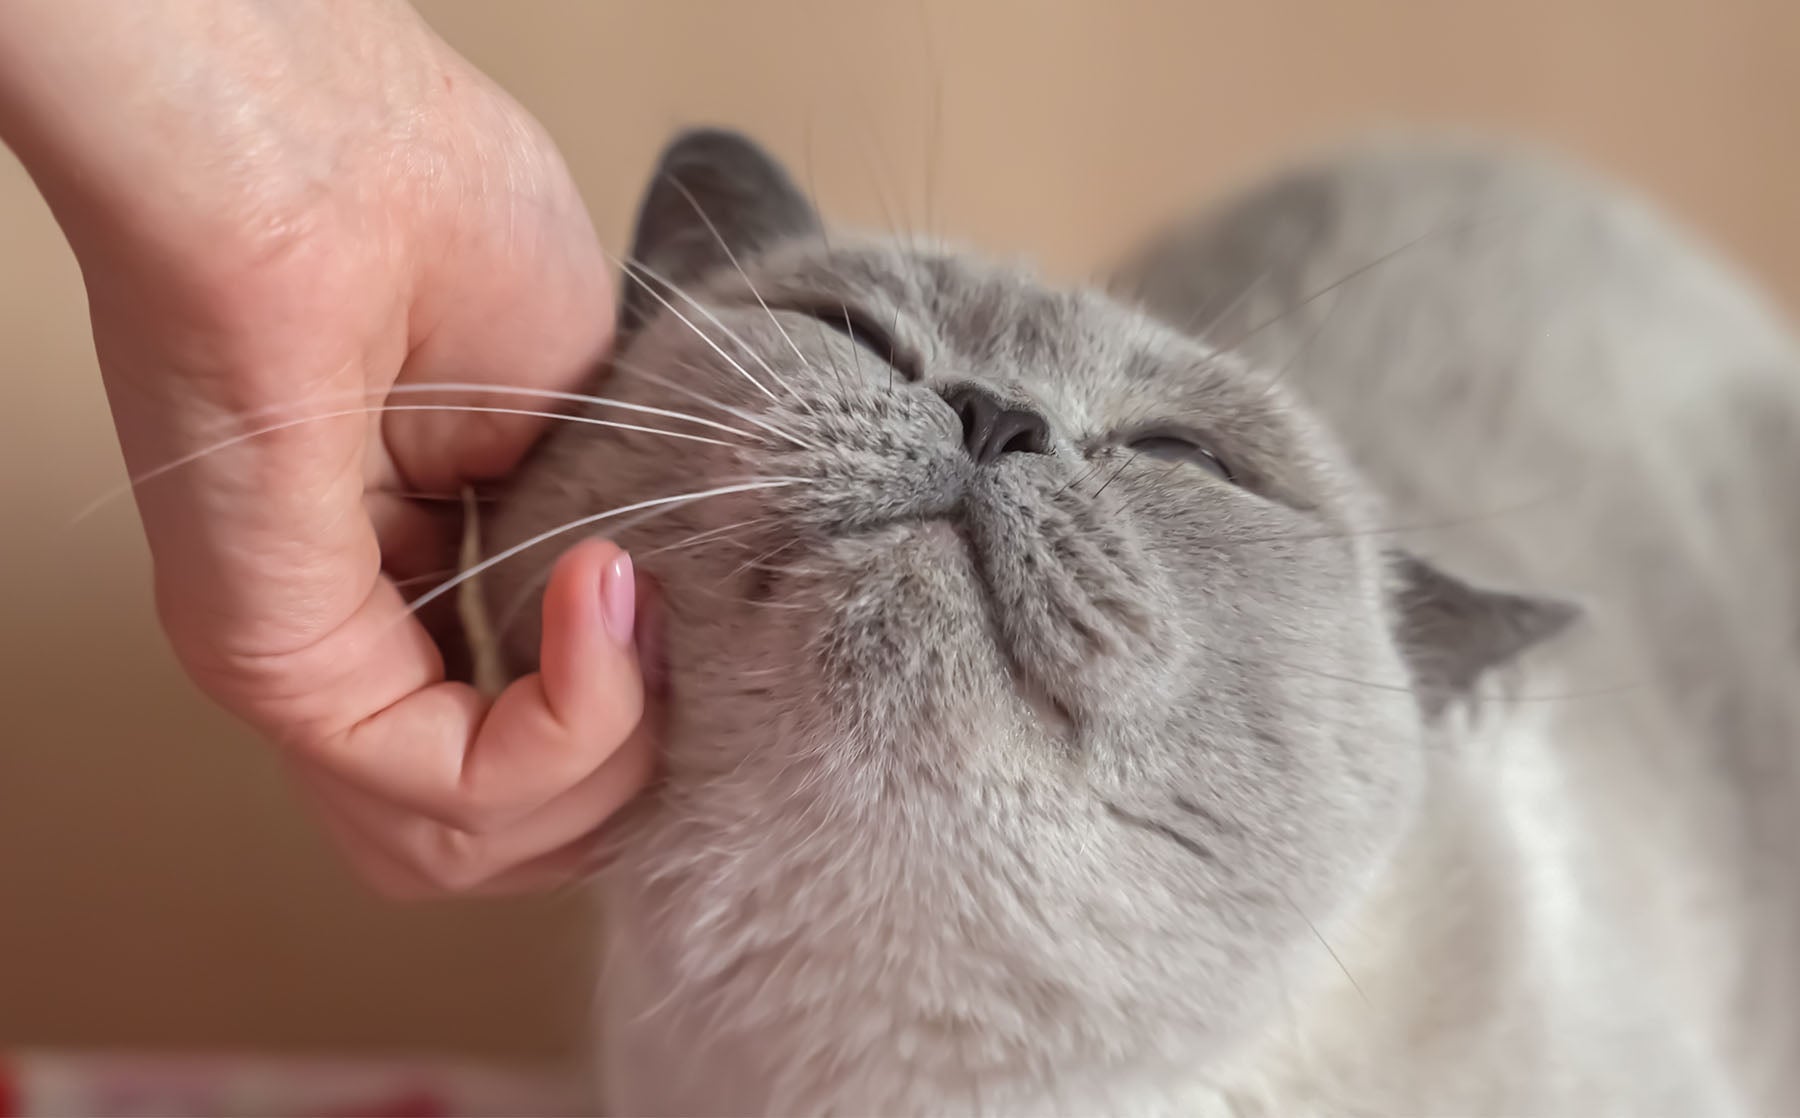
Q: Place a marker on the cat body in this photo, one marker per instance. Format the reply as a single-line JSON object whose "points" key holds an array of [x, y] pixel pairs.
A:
{"points": [[1554, 389], [1073, 706]]}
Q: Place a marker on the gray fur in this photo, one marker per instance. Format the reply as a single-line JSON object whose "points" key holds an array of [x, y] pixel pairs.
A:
{"points": [[1044, 785]]}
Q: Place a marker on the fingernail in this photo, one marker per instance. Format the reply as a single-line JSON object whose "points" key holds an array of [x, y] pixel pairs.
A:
{"points": [[618, 598]]}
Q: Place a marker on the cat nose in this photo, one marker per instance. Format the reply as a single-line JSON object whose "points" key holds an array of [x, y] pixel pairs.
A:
{"points": [[991, 427]]}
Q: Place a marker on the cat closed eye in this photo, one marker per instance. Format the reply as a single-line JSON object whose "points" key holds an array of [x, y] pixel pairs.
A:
{"points": [[865, 332], [1171, 447]]}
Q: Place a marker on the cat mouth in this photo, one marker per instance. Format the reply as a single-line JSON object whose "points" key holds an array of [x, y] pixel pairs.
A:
{"points": [[952, 528]]}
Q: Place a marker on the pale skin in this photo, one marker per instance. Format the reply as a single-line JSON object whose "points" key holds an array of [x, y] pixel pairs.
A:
{"points": [[281, 208]]}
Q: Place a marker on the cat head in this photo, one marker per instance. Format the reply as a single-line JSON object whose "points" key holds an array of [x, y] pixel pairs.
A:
{"points": [[1038, 684]]}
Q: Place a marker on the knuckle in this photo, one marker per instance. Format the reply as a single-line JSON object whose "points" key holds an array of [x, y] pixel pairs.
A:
{"points": [[473, 811], [456, 862]]}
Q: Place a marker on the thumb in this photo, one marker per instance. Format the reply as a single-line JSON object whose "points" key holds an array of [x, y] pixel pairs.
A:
{"points": [[588, 658]]}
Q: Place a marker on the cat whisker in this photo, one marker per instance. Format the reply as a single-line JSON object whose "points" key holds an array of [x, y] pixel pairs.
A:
{"points": [[1205, 853], [788, 569], [647, 280], [1465, 222], [759, 560], [837, 370], [471, 387], [515, 608], [710, 535], [855, 350], [642, 373], [758, 673], [1443, 525], [1410, 687], [593, 518], [1093, 468], [1115, 475], [731, 335], [732, 256], [1328, 948], [869, 137], [414, 580], [140, 479], [1303, 348], [572, 397], [1231, 307]]}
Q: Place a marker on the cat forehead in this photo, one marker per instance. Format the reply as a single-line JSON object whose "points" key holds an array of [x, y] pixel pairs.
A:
{"points": [[990, 320], [1100, 368]]}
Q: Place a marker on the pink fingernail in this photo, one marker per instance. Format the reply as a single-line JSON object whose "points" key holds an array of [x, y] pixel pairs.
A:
{"points": [[618, 598]]}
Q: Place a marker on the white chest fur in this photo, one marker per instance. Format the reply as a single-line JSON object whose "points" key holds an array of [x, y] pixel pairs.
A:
{"points": [[1515, 962]]}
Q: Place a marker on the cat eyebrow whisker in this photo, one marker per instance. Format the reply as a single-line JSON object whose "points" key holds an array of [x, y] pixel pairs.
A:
{"points": [[871, 156], [646, 274], [731, 335], [1293, 359], [724, 247], [1231, 306], [137, 480], [1448, 226]]}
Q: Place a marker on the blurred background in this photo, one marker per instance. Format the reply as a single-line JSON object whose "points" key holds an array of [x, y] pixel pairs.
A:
{"points": [[159, 888]]}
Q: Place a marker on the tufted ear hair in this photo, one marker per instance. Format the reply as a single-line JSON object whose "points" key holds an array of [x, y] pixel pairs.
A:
{"points": [[715, 197], [1452, 633]]}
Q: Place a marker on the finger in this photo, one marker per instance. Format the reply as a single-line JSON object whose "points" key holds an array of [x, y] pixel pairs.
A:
{"points": [[397, 880], [534, 310], [442, 753], [407, 855], [417, 536], [425, 543]]}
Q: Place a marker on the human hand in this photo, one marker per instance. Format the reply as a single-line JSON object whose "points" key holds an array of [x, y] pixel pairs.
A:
{"points": [[289, 210]]}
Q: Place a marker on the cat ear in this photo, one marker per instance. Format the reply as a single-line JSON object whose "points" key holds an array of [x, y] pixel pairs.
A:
{"points": [[715, 196], [1452, 633]]}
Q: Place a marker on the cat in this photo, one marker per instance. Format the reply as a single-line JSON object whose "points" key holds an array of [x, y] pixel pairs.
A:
{"points": [[1341, 667]]}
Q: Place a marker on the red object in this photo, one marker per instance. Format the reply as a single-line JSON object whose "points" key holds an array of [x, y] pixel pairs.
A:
{"points": [[412, 1104], [9, 1094]]}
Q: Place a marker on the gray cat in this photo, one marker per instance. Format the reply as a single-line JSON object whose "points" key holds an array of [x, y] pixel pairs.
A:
{"points": [[1347, 670]]}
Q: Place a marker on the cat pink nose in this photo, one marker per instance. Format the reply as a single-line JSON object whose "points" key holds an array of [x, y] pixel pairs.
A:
{"points": [[991, 427]]}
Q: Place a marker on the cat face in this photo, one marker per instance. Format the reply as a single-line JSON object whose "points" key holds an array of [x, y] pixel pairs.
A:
{"points": [[1038, 687]]}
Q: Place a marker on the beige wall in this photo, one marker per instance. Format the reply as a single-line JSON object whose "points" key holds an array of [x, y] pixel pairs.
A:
{"points": [[156, 883]]}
